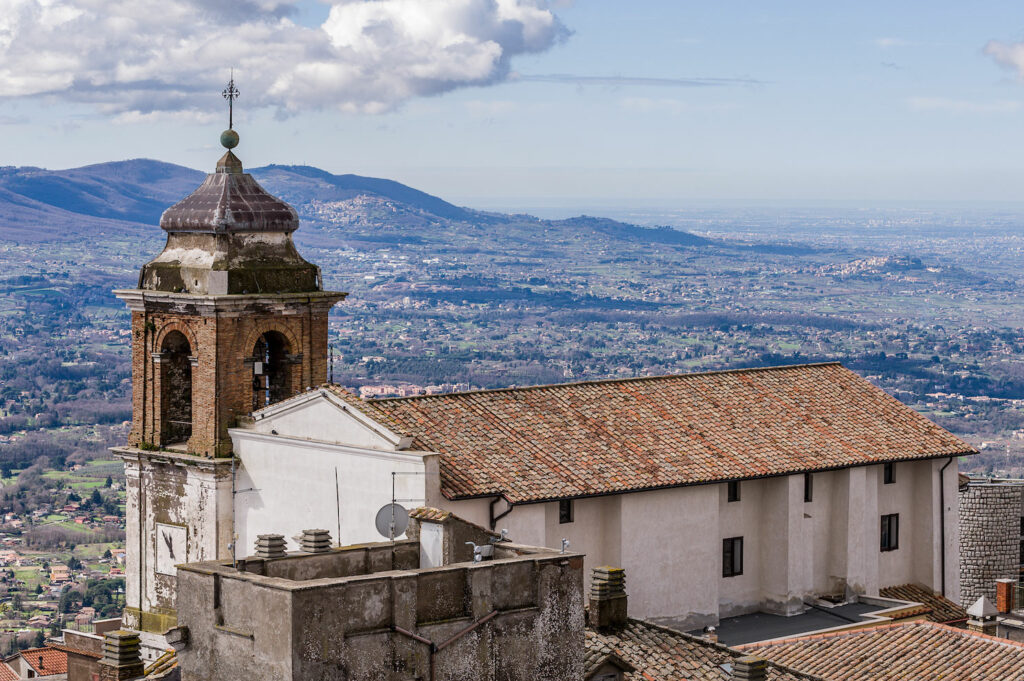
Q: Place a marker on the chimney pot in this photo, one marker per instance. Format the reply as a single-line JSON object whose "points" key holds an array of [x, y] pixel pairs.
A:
{"points": [[121, 658], [1005, 596], [608, 606], [749, 668], [316, 541], [270, 546]]}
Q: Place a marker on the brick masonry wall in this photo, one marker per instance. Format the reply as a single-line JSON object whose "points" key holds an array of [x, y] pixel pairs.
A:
{"points": [[989, 539], [222, 376]]}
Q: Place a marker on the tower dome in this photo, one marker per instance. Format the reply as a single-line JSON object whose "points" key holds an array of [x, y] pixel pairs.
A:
{"points": [[230, 236]]}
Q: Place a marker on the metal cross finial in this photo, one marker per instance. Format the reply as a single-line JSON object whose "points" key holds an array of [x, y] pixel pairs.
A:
{"points": [[231, 94]]}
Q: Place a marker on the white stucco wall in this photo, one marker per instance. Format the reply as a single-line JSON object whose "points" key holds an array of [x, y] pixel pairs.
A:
{"points": [[286, 484], [671, 551], [320, 417]]}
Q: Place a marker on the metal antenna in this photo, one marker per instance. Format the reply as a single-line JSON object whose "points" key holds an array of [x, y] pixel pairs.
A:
{"points": [[231, 94]]}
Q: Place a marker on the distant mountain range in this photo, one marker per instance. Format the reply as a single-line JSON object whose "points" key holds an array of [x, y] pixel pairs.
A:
{"points": [[128, 197]]}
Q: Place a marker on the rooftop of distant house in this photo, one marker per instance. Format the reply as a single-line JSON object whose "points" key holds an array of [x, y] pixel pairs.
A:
{"points": [[613, 436]]}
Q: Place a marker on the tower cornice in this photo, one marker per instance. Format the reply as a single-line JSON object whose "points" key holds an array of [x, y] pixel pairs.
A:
{"points": [[139, 300]]}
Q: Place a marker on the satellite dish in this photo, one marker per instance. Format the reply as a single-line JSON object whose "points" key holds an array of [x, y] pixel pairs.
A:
{"points": [[392, 519]]}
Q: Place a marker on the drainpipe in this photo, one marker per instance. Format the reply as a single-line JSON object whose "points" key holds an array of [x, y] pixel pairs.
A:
{"points": [[942, 520], [495, 518], [435, 648]]}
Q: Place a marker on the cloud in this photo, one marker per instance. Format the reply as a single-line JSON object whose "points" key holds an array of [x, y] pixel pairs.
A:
{"points": [[616, 81], [1009, 55], [961, 106], [133, 58], [892, 42]]}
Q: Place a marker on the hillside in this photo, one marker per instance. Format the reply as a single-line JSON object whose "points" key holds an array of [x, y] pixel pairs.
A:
{"points": [[128, 197]]}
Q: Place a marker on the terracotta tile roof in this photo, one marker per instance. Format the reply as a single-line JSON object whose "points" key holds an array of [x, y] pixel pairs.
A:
{"points": [[7, 674], [427, 513], [939, 609], [662, 654], [54, 661], [581, 439], [76, 651], [922, 651]]}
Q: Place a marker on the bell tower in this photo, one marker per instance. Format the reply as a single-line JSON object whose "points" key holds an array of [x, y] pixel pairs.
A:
{"points": [[226, 319]]}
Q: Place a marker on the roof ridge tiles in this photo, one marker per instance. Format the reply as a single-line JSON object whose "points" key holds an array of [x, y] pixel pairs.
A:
{"points": [[605, 381]]}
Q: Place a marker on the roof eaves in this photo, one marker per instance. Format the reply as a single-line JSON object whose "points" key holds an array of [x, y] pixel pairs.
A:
{"points": [[520, 500]]}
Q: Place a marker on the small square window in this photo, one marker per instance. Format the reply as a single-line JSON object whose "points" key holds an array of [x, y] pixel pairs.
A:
{"points": [[565, 511], [808, 487], [732, 557], [888, 476], [734, 490], [890, 532]]}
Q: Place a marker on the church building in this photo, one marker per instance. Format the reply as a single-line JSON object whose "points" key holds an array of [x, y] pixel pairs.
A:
{"points": [[720, 493]]}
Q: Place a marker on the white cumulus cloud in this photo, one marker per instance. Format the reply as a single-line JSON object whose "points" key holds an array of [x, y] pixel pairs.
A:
{"points": [[135, 58]]}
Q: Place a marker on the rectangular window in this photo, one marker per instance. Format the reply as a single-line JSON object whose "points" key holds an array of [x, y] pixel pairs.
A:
{"points": [[808, 487], [888, 477], [732, 557], [891, 532], [734, 490], [565, 511]]}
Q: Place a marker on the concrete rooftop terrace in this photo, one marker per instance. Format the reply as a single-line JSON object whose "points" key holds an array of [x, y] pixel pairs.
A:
{"points": [[759, 626]]}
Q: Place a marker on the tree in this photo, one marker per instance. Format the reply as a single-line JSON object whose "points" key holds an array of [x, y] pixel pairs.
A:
{"points": [[39, 589], [17, 602], [39, 641], [107, 554], [108, 482], [74, 563], [96, 499]]}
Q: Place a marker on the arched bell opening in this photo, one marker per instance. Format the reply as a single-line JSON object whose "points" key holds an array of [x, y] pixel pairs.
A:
{"points": [[272, 370], [175, 389]]}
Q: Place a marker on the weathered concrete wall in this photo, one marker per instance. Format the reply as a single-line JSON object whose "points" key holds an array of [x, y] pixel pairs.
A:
{"points": [[350, 562], [989, 538], [170, 498], [235, 632], [527, 611]]}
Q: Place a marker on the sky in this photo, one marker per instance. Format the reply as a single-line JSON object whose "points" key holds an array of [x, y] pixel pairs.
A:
{"points": [[505, 103]]}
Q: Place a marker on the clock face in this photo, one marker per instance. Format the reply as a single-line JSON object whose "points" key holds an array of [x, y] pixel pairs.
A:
{"points": [[170, 548]]}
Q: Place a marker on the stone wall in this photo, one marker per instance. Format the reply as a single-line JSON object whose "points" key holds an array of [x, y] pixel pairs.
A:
{"points": [[989, 538], [517, 618]]}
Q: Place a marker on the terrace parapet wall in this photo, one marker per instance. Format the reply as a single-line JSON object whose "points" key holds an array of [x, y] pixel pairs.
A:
{"points": [[368, 612]]}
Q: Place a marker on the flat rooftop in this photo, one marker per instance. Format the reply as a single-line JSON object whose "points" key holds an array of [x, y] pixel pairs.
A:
{"points": [[760, 626]]}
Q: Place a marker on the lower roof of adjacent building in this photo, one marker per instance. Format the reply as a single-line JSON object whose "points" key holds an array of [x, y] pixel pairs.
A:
{"points": [[922, 651], [658, 653]]}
